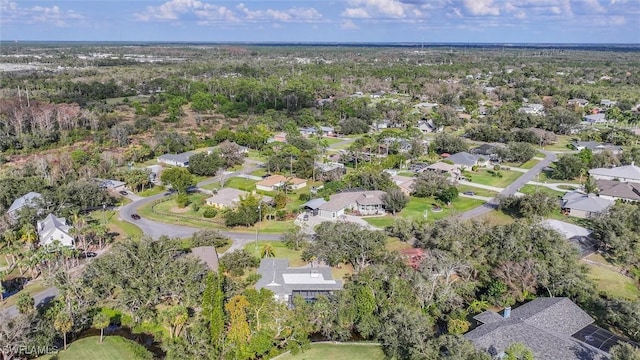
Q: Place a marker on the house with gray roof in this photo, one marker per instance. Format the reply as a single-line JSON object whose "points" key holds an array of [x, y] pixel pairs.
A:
{"points": [[53, 229], [599, 118], [619, 190], [31, 199], [628, 173], [181, 160], [468, 160], [208, 255], [230, 197], [579, 204], [597, 147], [544, 325], [287, 282], [313, 205], [361, 202], [577, 235]]}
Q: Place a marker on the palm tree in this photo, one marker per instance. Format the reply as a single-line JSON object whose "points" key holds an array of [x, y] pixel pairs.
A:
{"points": [[29, 235], [64, 324], [478, 306], [101, 321], [267, 251], [10, 239]]}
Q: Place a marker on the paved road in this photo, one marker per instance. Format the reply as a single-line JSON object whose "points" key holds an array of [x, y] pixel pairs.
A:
{"points": [[40, 299], [513, 188]]}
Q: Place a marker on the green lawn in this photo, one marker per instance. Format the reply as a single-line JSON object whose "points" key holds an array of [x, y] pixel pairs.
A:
{"points": [[331, 140], [560, 145], [416, 207], [153, 191], [255, 155], [350, 351], [545, 177], [526, 165], [476, 190], [279, 250], [117, 225], [240, 184], [112, 348], [394, 244], [259, 172], [610, 281], [485, 178], [530, 189]]}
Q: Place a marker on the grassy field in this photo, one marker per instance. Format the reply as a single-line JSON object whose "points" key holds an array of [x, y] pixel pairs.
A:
{"points": [[115, 224], [485, 178], [112, 348], [279, 250], [241, 184], [416, 207], [526, 165], [560, 145], [545, 176], [477, 191], [338, 352], [394, 244], [530, 189], [153, 191], [610, 281]]}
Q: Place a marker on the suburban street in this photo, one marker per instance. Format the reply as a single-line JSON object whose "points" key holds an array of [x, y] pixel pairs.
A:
{"points": [[513, 188], [40, 298]]}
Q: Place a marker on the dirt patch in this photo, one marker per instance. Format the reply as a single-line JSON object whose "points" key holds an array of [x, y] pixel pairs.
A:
{"points": [[179, 210]]}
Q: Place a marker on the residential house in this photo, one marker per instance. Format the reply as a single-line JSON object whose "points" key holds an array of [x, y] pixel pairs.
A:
{"points": [[360, 202], [465, 160], [208, 255], [154, 175], [578, 102], [181, 160], [53, 229], [532, 109], [597, 147], [113, 185], [288, 282], [486, 150], [312, 206], [608, 103], [31, 199], [547, 326], [598, 118], [321, 130], [453, 171], [428, 126], [278, 137], [329, 170], [405, 183], [579, 204], [230, 197], [275, 182], [425, 106], [380, 125], [627, 173], [577, 235], [619, 190]]}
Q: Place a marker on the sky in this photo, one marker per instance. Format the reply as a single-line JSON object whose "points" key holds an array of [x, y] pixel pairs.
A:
{"points": [[421, 21]]}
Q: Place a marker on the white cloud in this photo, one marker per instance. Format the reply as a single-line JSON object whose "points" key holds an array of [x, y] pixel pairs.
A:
{"points": [[206, 13], [358, 13], [349, 25], [53, 15], [481, 7], [380, 8]]}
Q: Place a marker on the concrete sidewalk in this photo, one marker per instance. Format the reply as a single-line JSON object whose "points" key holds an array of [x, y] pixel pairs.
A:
{"points": [[481, 186]]}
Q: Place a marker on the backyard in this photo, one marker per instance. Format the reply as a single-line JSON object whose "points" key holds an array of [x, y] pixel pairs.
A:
{"points": [[609, 280], [279, 251], [336, 351], [416, 207]]}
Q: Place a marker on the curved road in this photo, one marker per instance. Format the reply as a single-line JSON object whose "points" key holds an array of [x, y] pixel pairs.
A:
{"points": [[512, 188]]}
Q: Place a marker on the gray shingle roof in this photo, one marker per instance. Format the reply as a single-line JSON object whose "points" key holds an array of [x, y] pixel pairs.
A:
{"points": [[589, 203], [464, 158], [618, 189], [181, 158], [28, 199], [545, 325], [278, 277], [340, 201]]}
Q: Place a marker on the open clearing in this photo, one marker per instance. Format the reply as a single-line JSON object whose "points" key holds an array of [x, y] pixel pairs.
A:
{"points": [[363, 351]]}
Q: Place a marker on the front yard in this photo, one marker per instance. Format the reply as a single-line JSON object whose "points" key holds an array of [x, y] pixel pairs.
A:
{"points": [[531, 189], [416, 207], [484, 177]]}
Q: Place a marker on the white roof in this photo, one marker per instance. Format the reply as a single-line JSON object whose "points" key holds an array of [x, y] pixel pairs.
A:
{"points": [[24, 200], [568, 230], [623, 172], [306, 278]]}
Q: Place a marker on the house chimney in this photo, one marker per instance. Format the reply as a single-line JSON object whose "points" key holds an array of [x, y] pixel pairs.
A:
{"points": [[507, 312]]}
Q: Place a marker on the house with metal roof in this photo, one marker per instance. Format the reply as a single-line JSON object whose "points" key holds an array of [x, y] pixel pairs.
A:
{"points": [[629, 173], [287, 282], [313, 205], [181, 160], [53, 229], [579, 204], [544, 325], [618, 190], [31, 199], [362, 202]]}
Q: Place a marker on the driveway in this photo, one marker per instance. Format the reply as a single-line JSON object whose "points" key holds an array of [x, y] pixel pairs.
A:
{"points": [[513, 187]]}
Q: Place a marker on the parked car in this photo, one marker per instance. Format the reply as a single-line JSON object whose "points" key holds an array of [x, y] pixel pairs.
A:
{"points": [[135, 216], [90, 254], [305, 217], [266, 176], [470, 193], [124, 193]]}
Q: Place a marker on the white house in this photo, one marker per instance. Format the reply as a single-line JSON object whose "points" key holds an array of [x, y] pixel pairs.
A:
{"points": [[53, 229], [274, 182], [363, 202], [181, 160], [627, 173]]}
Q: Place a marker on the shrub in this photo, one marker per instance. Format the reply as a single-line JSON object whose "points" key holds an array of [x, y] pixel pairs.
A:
{"points": [[209, 237], [195, 206], [305, 197], [210, 212], [183, 200]]}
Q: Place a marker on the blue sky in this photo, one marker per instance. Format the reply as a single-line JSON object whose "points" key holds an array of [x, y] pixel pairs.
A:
{"points": [[471, 21]]}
